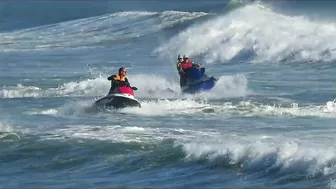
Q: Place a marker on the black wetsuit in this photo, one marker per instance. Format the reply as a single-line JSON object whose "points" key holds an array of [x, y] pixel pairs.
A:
{"points": [[117, 83], [183, 80]]}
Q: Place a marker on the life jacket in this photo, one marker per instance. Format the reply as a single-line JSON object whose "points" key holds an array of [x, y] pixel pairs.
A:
{"points": [[118, 78], [186, 65]]}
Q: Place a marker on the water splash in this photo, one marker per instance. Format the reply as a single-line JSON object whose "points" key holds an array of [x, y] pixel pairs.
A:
{"points": [[255, 33]]}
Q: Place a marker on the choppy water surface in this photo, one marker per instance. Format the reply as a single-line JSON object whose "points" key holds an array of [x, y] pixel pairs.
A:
{"points": [[268, 123]]}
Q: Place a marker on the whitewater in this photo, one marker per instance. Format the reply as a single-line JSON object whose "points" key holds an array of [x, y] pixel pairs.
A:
{"points": [[268, 123]]}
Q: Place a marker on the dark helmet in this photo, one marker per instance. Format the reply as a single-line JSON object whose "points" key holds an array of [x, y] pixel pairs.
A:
{"points": [[179, 57], [121, 69]]}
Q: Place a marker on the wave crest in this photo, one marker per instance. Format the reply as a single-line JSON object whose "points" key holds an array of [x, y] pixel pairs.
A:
{"points": [[255, 33]]}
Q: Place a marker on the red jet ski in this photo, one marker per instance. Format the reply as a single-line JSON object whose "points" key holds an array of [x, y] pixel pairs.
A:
{"points": [[123, 97]]}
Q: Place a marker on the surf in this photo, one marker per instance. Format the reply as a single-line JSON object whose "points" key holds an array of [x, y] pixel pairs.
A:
{"points": [[248, 33]]}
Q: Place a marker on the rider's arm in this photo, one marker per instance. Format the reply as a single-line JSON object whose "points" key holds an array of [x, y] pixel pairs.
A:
{"points": [[111, 77], [129, 85], [195, 65], [126, 82]]}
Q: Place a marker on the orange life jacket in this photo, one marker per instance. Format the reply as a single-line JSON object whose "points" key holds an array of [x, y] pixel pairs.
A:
{"points": [[118, 78]]}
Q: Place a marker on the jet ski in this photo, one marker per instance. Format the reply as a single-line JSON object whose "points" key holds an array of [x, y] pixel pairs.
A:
{"points": [[198, 81], [122, 97]]}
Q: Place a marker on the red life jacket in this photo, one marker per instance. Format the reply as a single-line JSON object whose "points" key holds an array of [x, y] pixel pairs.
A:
{"points": [[186, 65]]}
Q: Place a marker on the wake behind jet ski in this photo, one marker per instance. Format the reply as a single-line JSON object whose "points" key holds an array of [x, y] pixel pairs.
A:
{"points": [[121, 94], [192, 77]]}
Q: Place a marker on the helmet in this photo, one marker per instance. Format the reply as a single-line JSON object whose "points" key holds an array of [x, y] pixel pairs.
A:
{"points": [[121, 69], [179, 57], [185, 57]]}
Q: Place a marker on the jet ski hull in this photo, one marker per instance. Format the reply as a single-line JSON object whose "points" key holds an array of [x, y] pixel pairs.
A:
{"points": [[118, 101], [200, 86], [198, 81]]}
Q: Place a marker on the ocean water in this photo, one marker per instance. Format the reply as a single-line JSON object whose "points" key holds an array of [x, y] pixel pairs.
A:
{"points": [[268, 123]]}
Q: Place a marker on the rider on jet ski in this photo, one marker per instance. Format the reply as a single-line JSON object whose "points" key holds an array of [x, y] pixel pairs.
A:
{"points": [[119, 80], [183, 66]]}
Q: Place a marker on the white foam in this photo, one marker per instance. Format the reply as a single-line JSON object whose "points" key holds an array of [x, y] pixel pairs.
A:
{"points": [[170, 18], [20, 91], [264, 34], [118, 133], [88, 87], [91, 87], [7, 132], [49, 112], [228, 86], [242, 108], [281, 152], [168, 107], [6, 127], [157, 87], [251, 152], [149, 86], [332, 184], [249, 108], [72, 109], [154, 86], [191, 107], [330, 106]]}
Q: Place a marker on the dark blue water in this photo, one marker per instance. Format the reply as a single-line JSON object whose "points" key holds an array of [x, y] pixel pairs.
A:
{"points": [[268, 123]]}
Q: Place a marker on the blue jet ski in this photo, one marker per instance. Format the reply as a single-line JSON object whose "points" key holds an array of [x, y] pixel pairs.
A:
{"points": [[198, 81]]}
